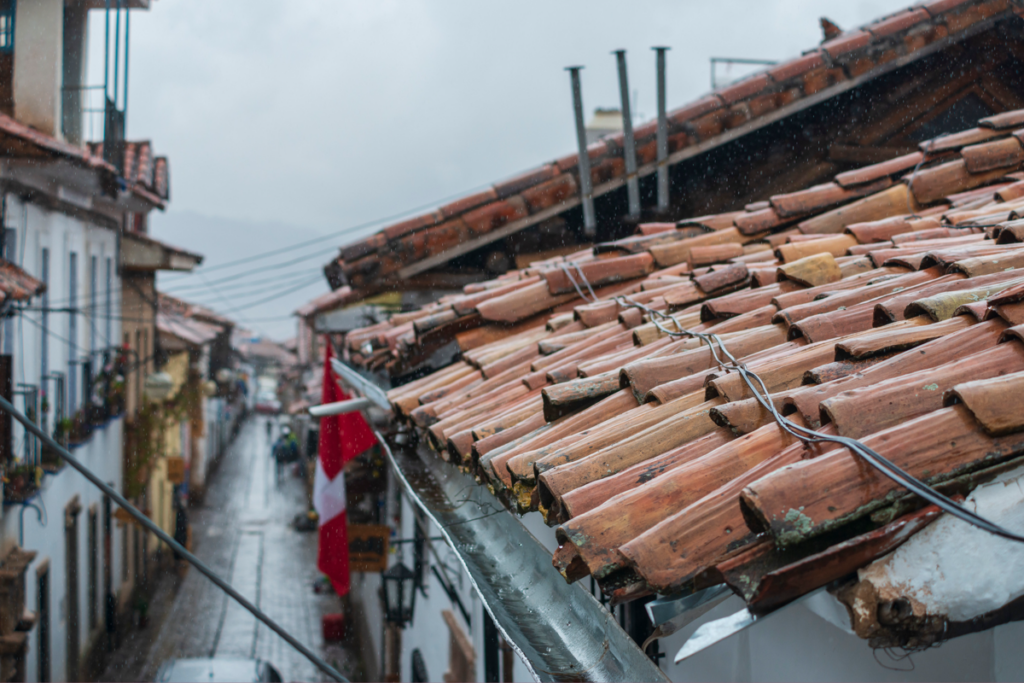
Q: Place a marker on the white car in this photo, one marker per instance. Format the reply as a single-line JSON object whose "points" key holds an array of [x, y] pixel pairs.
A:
{"points": [[209, 670], [267, 403]]}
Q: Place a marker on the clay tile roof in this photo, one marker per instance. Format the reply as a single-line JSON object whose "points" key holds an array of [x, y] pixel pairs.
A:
{"points": [[184, 309], [146, 175], [631, 441], [421, 242], [16, 284], [192, 332], [20, 140], [325, 302]]}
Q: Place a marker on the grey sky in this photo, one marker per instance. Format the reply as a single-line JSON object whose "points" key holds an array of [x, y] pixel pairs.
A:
{"points": [[310, 116]]}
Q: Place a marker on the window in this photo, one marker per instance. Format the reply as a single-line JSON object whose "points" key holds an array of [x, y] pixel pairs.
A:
{"points": [[71, 596], [6, 25], [108, 562], [93, 570], [72, 331], [125, 541], [93, 274], [44, 347], [419, 551], [43, 609], [419, 668], [138, 369], [109, 306], [10, 253]]}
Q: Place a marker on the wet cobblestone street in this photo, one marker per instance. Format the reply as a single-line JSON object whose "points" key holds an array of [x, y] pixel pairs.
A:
{"points": [[243, 531]]}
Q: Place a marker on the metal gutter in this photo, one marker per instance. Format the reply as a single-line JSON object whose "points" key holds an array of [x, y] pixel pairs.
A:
{"points": [[561, 632]]}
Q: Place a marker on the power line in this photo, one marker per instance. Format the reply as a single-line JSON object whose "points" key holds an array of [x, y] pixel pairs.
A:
{"points": [[276, 296], [343, 231], [177, 547], [256, 273], [98, 305], [239, 281]]}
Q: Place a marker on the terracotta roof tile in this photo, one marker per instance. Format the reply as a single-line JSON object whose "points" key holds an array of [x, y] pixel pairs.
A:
{"points": [[797, 67], [467, 203], [847, 42], [631, 439], [937, 7], [16, 284], [745, 88], [883, 169], [507, 188], [1004, 121], [898, 22]]}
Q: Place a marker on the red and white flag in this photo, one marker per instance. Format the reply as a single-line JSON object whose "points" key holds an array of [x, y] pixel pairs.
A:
{"points": [[342, 438]]}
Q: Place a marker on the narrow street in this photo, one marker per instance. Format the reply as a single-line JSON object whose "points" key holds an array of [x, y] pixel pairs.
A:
{"points": [[243, 531]]}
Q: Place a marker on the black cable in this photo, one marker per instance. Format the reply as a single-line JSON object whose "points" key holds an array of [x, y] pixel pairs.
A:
{"points": [[350, 229], [175, 546], [804, 434]]}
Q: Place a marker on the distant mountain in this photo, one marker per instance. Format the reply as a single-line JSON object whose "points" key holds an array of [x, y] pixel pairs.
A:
{"points": [[288, 277]]}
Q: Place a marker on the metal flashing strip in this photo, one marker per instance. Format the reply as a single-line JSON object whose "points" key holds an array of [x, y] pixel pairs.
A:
{"points": [[365, 386], [680, 611], [560, 630], [716, 631]]}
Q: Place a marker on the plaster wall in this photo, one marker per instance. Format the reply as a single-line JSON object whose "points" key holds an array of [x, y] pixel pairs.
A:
{"points": [[38, 64], [102, 455], [34, 229]]}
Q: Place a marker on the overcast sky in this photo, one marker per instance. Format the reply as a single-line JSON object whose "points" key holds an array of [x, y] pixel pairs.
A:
{"points": [[289, 120]]}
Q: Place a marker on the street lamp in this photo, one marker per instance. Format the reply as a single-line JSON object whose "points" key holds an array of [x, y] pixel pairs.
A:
{"points": [[399, 594]]}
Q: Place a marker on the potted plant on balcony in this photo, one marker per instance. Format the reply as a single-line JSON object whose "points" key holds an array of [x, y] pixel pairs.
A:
{"points": [[96, 408], [20, 482], [80, 429], [50, 461]]}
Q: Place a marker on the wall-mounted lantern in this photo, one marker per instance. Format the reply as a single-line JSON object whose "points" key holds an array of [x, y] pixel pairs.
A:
{"points": [[399, 594]]}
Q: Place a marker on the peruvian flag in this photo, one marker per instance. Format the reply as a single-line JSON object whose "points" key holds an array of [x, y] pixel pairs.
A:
{"points": [[342, 438]]}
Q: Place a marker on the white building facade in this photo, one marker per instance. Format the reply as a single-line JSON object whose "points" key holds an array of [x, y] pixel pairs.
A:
{"points": [[64, 210]]}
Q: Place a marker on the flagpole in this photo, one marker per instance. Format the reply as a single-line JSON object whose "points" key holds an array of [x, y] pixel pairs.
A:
{"points": [[340, 407]]}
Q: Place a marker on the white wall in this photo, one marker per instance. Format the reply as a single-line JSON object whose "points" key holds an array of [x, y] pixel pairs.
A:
{"points": [[102, 453], [793, 645], [429, 632], [798, 645], [38, 67], [37, 229]]}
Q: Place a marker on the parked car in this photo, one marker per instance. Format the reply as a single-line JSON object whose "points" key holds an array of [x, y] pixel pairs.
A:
{"points": [[211, 670], [267, 403]]}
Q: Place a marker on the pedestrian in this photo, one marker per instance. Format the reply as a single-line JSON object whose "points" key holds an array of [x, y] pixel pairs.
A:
{"points": [[181, 535]]}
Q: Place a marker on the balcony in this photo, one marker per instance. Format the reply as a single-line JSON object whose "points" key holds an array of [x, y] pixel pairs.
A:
{"points": [[99, 111]]}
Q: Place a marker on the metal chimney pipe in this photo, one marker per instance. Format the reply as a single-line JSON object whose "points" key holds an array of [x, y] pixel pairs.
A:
{"points": [[586, 188], [663, 200], [632, 182]]}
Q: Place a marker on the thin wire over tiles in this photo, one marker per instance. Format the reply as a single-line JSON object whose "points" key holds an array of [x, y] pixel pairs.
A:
{"points": [[804, 434]]}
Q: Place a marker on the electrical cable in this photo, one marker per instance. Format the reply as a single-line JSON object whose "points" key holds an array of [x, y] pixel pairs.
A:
{"points": [[760, 391], [99, 302], [350, 229], [147, 523]]}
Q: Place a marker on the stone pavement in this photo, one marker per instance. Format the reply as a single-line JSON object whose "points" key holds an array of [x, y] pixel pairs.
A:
{"points": [[243, 531]]}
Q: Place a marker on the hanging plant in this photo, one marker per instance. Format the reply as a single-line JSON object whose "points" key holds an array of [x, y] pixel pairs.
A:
{"points": [[21, 481], [140, 448]]}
